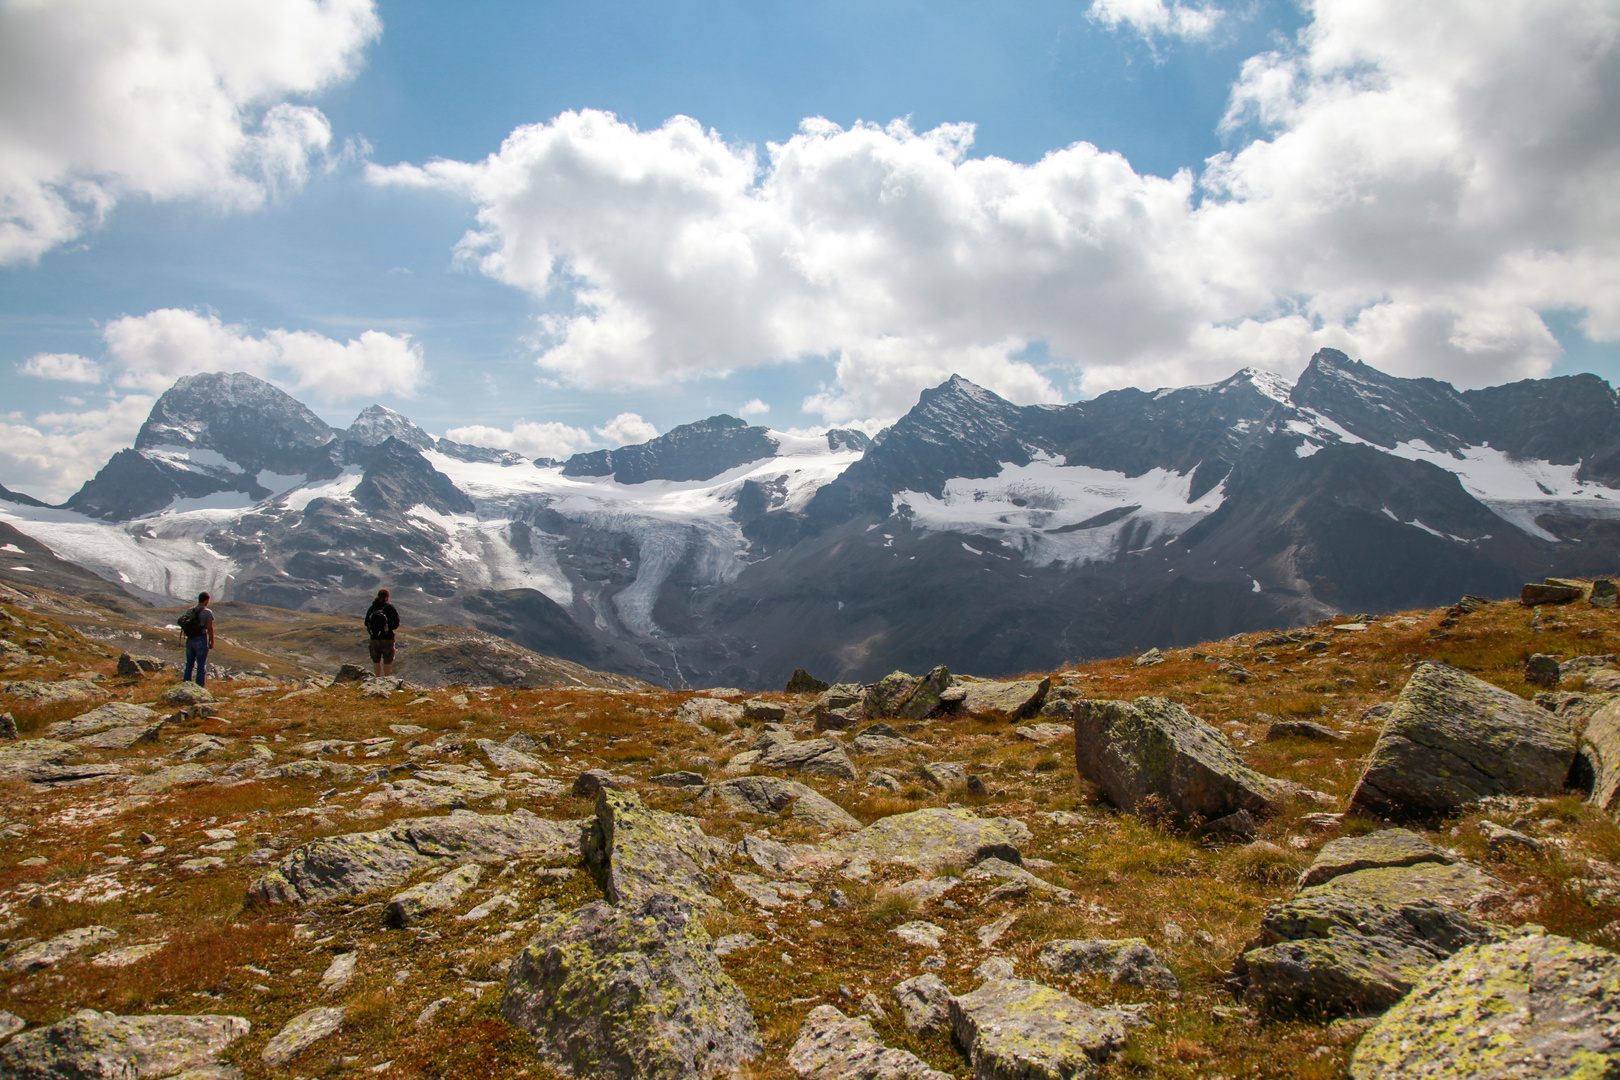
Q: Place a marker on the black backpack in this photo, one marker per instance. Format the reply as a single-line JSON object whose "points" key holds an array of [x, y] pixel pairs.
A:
{"points": [[377, 622], [190, 622]]}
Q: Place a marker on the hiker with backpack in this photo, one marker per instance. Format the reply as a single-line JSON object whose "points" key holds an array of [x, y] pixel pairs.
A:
{"points": [[197, 624], [381, 622]]}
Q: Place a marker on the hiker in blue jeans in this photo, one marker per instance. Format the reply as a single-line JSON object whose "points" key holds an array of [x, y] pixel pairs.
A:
{"points": [[197, 623]]}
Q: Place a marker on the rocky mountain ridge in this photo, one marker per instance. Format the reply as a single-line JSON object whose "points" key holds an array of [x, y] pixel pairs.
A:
{"points": [[983, 534]]}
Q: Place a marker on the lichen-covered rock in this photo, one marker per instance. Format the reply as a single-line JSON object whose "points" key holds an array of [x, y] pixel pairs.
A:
{"points": [[1359, 941], [925, 1004], [634, 852], [186, 693], [709, 713], [91, 1045], [832, 1046], [631, 993], [1600, 749], [1302, 729], [925, 839], [819, 757], [1387, 847], [356, 863], [945, 775], [27, 759], [1012, 1028], [1537, 1006], [114, 714], [1004, 700], [1006, 871], [172, 777], [1549, 592], [300, 1033], [430, 896], [1126, 961], [802, 682], [1453, 739], [592, 782], [48, 953], [1152, 756], [53, 691]]}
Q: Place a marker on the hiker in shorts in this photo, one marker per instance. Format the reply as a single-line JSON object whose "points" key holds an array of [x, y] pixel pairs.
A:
{"points": [[197, 623], [381, 622]]}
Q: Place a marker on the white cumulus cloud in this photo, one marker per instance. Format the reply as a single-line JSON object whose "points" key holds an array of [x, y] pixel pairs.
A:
{"points": [[756, 407], [51, 457], [166, 100], [627, 429], [549, 439], [1151, 17], [1415, 183], [150, 351], [63, 367]]}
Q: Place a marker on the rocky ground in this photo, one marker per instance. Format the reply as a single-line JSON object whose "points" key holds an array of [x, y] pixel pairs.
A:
{"points": [[1345, 850]]}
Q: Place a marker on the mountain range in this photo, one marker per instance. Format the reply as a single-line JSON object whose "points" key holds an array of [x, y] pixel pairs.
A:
{"points": [[991, 537]]}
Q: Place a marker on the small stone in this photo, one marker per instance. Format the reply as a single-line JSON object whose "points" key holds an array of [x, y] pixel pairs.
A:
{"points": [[300, 1033], [832, 1046], [997, 967], [920, 933], [1543, 671], [1126, 961], [339, 972], [429, 1014], [1502, 840]]}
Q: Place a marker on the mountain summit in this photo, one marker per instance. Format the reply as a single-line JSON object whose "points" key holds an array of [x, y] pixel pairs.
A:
{"points": [[975, 532]]}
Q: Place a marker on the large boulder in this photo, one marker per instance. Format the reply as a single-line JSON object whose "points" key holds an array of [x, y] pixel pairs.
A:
{"points": [[925, 1004], [1153, 757], [772, 795], [710, 714], [925, 840], [819, 757], [1599, 756], [630, 992], [91, 1045], [1380, 911], [356, 863], [832, 1046], [634, 852], [1011, 1028], [1452, 739], [905, 697], [1005, 700], [1536, 1006], [186, 693]]}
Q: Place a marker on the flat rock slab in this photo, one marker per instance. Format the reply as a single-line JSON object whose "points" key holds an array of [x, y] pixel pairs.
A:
{"points": [[1359, 942], [28, 759], [300, 1033], [92, 1044], [53, 692], [819, 757], [634, 852], [356, 863], [1152, 756], [1388, 847], [48, 953], [122, 738], [1015, 1028], [924, 839], [1600, 745], [114, 714], [441, 894], [1044, 733], [1126, 961], [632, 993], [1452, 739], [172, 777], [1005, 700], [1539, 1006], [832, 1046], [772, 795], [1006, 871]]}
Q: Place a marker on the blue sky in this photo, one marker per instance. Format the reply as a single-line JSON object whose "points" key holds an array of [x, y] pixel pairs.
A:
{"points": [[830, 282]]}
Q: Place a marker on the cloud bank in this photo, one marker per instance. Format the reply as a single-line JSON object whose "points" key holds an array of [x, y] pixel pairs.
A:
{"points": [[100, 102], [1415, 183]]}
